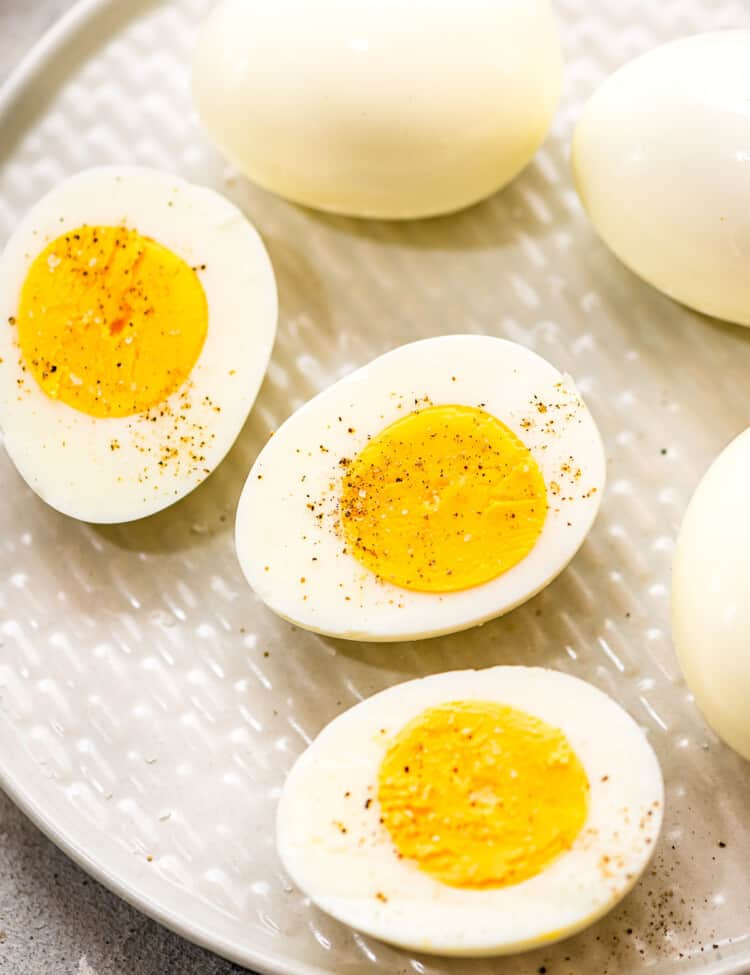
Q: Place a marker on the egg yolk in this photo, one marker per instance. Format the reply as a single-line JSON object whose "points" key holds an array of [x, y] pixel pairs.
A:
{"points": [[480, 795], [443, 499], [110, 322]]}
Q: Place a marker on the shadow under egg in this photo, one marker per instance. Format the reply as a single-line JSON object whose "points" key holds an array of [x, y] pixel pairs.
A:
{"points": [[490, 224], [523, 636]]}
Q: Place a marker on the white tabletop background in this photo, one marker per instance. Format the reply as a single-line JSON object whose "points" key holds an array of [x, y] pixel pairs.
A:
{"points": [[55, 920]]}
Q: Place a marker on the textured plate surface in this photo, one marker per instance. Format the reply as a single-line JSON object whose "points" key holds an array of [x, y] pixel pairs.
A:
{"points": [[150, 707]]}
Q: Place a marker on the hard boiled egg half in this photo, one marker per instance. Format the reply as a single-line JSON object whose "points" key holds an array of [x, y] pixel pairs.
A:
{"points": [[437, 487], [137, 317], [473, 813]]}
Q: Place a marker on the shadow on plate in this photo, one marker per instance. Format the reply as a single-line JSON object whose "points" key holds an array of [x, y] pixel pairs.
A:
{"points": [[519, 637], [489, 224]]}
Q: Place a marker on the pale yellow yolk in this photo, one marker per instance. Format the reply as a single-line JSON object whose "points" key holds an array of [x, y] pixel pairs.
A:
{"points": [[110, 322], [480, 794], [443, 499]]}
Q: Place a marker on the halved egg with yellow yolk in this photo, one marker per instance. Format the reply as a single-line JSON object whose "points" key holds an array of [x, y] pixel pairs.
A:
{"points": [[138, 317], [438, 487], [474, 812]]}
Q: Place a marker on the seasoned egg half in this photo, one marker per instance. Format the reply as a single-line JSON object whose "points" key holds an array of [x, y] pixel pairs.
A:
{"points": [[138, 314], [473, 813], [437, 487]]}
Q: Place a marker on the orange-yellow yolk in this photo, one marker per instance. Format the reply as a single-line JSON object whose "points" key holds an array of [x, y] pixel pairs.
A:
{"points": [[479, 794], [443, 499], [110, 322]]}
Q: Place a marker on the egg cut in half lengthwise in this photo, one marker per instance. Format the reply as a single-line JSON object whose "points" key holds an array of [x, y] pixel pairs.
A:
{"points": [[435, 488], [478, 812], [139, 315]]}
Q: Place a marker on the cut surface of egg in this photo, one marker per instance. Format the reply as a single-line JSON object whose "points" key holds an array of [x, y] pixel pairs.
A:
{"points": [[437, 487], [138, 316], [474, 812], [711, 595], [660, 158], [379, 108]]}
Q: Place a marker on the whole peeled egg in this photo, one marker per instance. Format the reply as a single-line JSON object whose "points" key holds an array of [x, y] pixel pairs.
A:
{"points": [[711, 595], [661, 159], [379, 108]]}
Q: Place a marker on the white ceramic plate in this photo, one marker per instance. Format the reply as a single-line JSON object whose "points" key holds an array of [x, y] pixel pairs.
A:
{"points": [[150, 706]]}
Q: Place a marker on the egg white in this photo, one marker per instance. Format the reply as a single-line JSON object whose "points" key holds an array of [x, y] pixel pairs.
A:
{"points": [[66, 456], [344, 872], [389, 110], [660, 160], [710, 608], [281, 541]]}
